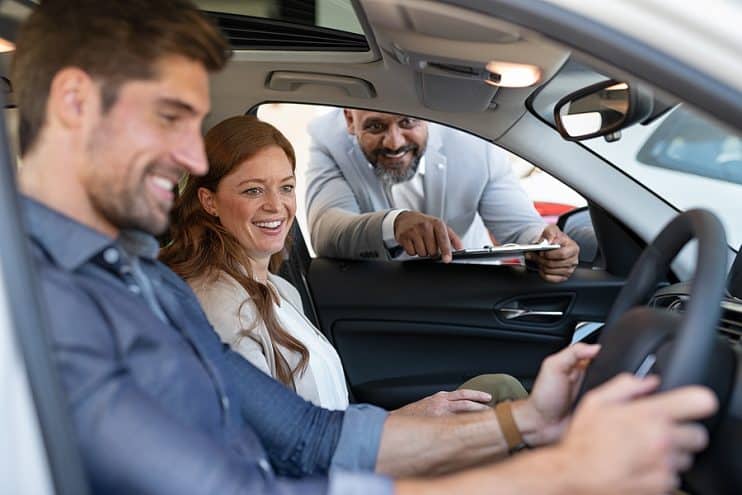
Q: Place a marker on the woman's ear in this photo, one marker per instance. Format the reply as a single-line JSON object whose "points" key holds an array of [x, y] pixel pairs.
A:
{"points": [[206, 198]]}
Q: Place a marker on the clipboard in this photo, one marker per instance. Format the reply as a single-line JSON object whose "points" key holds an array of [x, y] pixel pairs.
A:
{"points": [[506, 250]]}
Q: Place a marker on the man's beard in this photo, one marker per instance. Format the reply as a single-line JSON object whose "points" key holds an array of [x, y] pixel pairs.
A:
{"points": [[129, 209], [391, 176], [126, 204], [123, 199]]}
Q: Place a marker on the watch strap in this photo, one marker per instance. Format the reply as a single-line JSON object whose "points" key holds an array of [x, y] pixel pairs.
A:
{"points": [[504, 414]]}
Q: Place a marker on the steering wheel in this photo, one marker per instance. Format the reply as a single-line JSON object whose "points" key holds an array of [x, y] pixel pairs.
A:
{"points": [[678, 347]]}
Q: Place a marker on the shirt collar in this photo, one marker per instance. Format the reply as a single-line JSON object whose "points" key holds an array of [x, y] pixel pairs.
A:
{"points": [[67, 241], [71, 244], [139, 244], [421, 165]]}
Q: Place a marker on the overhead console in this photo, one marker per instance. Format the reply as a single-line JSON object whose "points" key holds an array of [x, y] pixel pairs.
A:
{"points": [[454, 54]]}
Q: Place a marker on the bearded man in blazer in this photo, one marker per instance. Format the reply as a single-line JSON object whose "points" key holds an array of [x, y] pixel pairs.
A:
{"points": [[381, 184]]}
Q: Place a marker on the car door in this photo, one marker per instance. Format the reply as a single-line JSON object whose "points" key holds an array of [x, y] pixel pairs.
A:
{"points": [[408, 329]]}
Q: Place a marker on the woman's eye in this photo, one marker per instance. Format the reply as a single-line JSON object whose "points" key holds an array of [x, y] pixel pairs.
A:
{"points": [[288, 188], [252, 191]]}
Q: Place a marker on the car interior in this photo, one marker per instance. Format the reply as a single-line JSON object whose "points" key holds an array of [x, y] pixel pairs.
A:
{"points": [[664, 292]]}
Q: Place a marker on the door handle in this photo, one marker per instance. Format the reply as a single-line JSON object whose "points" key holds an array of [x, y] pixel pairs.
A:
{"points": [[516, 313]]}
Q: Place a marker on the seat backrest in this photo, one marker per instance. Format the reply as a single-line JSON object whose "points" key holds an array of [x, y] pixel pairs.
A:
{"points": [[294, 269]]}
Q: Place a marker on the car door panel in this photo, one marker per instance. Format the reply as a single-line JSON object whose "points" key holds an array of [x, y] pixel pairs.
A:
{"points": [[408, 329]]}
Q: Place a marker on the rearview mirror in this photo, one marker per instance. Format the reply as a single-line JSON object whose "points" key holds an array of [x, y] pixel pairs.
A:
{"points": [[601, 109]]}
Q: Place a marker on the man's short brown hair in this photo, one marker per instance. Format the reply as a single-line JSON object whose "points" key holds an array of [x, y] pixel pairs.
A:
{"points": [[112, 40]]}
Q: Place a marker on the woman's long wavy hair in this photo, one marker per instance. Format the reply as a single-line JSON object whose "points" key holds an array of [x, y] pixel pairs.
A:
{"points": [[200, 247]]}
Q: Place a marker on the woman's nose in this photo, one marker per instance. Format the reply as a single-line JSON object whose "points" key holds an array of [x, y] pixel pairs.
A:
{"points": [[272, 201]]}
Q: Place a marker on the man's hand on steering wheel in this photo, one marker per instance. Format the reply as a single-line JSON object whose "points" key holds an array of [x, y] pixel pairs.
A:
{"points": [[620, 436], [543, 417]]}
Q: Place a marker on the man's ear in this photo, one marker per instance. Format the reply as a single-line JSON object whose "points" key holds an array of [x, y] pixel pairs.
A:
{"points": [[349, 122], [206, 198], [73, 96]]}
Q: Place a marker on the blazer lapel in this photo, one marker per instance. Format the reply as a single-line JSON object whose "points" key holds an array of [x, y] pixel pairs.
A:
{"points": [[434, 180]]}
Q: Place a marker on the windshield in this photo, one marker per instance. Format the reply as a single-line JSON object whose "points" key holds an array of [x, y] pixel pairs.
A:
{"points": [[687, 160], [683, 157]]}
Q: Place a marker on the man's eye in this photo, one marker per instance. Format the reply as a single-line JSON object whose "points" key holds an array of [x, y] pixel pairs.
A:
{"points": [[408, 123], [375, 127], [288, 188], [169, 118], [252, 191]]}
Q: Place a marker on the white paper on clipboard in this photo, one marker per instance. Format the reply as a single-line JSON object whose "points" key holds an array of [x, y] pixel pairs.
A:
{"points": [[504, 250]]}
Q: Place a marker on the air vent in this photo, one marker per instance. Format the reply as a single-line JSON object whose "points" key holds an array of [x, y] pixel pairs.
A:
{"points": [[731, 319], [730, 324], [671, 302], [256, 33]]}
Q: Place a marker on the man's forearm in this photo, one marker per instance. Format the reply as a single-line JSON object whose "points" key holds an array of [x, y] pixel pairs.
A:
{"points": [[545, 472], [413, 445], [337, 233]]}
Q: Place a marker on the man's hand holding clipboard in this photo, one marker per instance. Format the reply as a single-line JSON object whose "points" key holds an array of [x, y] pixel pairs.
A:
{"points": [[555, 265]]}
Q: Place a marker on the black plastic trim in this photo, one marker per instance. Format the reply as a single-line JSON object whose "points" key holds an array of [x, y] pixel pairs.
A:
{"points": [[258, 33]]}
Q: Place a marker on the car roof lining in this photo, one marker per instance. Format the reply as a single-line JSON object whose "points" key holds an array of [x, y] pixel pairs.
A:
{"points": [[403, 35]]}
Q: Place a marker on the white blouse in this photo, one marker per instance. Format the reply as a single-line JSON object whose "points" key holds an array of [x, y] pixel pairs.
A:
{"points": [[322, 382]]}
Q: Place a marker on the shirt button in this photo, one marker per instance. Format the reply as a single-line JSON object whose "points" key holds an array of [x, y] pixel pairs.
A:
{"points": [[111, 255], [225, 402], [264, 465], [135, 289]]}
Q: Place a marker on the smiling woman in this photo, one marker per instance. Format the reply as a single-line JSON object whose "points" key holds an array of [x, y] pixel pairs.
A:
{"points": [[229, 227], [256, 203]]}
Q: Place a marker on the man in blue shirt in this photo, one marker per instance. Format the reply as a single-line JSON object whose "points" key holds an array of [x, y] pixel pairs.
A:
{"points": [[110, 119]]}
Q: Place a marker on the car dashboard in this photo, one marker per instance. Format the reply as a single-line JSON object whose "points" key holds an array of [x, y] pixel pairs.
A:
{"points": [[715, 467]]}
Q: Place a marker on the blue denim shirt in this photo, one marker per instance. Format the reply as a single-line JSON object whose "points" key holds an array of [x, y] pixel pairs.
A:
{"points": [[160, 405]]}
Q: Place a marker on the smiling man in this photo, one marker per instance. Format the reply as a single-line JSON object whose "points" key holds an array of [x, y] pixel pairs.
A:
{"points": [[110, 114], [379, 184]]}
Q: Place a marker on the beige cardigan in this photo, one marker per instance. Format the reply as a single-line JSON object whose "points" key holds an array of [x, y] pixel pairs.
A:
{"points": [[222, 301]]}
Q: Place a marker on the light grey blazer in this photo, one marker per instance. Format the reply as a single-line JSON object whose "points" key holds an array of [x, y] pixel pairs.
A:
{"points": [[465, 178]]}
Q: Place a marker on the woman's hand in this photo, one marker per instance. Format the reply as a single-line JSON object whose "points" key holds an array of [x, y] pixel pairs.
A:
{"points": [[447, 403]]}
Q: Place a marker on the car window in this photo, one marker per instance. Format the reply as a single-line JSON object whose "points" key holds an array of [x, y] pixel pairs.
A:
{"points": [[687, 143], [547, 197], [685, 158]]}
